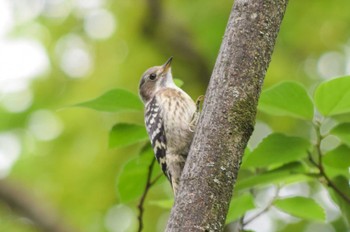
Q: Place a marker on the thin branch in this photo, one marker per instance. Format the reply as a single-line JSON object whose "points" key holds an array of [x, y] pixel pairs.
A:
{"points": [[267, 208], [335, 188], [319, 138], [177, 41], [319, 164], [156, 179], [23, 202], [149, 184], [241, 221], [153, 17]]}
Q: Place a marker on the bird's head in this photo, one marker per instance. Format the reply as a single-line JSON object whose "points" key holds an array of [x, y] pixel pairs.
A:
{"points": [[154, 79]]}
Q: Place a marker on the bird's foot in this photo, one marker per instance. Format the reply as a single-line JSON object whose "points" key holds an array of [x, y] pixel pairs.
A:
{"points": [[195, 116]]}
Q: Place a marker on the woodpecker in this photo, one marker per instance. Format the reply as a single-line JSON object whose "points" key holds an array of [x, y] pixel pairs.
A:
{"points": [[170, 116]]}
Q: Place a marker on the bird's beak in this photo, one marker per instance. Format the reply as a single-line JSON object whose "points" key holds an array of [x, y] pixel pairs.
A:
{"points": [[167, 65]]}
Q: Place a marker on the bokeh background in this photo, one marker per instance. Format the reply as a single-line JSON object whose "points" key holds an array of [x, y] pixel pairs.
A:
{"points": [[56, 53]]}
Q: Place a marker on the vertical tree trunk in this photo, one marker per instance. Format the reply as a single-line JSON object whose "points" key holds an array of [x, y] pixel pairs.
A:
{"points": [[228, 116]]}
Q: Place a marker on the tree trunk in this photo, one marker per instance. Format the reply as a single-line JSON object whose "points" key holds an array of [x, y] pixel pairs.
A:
{"points": [[228, 116]]}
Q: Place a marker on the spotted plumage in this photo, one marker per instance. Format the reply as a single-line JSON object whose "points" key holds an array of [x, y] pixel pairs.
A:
{"points": [[168, 117], [155, 129]]}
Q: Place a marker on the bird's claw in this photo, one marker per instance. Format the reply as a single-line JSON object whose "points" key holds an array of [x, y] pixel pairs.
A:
{"points": [[195, 116]]}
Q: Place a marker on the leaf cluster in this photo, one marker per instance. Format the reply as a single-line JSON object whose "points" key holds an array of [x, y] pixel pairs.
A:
{"points": [[279, 159]]}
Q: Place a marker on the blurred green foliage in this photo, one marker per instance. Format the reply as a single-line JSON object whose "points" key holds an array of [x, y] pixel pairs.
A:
{"points": [[74, 173]]}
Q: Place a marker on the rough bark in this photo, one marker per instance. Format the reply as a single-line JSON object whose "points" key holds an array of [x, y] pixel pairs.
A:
{"points": [[228, 116]]}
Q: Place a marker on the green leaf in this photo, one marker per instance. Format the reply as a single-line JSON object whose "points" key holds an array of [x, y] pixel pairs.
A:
{"points": [[333, 97], [301, 207], [288, 173], [246, 154], [343, 132], [239, 205], [124, 134], [178, 82], [338, 158], [116, 100], [165, 204], [277, 149], [132, 178], [287, 99]]}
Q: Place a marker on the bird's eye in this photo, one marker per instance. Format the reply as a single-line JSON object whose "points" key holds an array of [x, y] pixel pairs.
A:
{"points": [[152, 76]]}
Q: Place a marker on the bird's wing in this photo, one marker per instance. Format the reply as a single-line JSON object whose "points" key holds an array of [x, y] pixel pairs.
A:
{"points": [[156, 132]]}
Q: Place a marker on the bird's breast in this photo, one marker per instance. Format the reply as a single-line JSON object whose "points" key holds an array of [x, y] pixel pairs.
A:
{"points": [[177, 109]]}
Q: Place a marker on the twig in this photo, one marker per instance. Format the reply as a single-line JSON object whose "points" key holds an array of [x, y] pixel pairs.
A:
{"points": [[319, 164], [153, 17], [319, 138], [241, 222], [149, 184], [267, 207], [156, 179], [335, 188]]}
